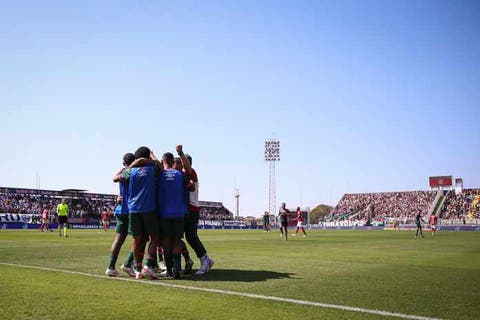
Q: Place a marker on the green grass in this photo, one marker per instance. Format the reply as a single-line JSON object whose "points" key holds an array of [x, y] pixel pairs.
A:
{"points": [[383, 270]]}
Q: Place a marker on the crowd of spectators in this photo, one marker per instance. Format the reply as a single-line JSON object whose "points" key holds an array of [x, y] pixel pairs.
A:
{"points": [[34, 204], [24, 203], [398, 205], [87, 207], [459, 205], [215, 213]]}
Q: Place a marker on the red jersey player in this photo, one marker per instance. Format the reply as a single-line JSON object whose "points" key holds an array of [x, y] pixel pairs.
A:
{"points": [[45, 219], [433, 223], [299, 223], [105, 219]]}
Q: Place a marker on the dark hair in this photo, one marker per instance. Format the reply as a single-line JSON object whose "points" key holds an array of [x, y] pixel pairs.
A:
{"points": [[189, 158], [168, 158], [128, 158], [142, 152]]}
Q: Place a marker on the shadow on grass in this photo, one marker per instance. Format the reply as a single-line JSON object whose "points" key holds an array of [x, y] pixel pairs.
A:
{"points": [[239, 275]]}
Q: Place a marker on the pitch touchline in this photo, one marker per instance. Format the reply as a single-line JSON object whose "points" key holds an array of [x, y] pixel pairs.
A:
{"points": [[48, 245], [233, 293]]}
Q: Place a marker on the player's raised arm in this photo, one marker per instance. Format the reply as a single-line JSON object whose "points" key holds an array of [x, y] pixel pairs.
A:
{"points": [[142, 162], [157, 162], [118, 176], [185, 163]]}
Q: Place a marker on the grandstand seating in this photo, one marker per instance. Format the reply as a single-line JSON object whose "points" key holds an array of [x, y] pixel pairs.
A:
{"points": [[214, 211], [459, 205], [404, 205], [83, 205], [31, 201], [399, 205]]}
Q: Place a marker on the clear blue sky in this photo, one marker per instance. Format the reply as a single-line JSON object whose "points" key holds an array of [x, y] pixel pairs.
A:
{"points": [[363, 95]]}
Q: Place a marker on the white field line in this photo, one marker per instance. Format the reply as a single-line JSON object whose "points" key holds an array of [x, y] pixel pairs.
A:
{"points": [[50, 245], [233, 293]]}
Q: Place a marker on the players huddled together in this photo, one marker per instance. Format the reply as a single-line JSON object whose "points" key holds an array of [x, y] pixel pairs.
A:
{"points": [[158, 205]]}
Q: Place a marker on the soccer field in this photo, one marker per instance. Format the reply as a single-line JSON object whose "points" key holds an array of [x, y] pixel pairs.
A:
{"points": [[257, 275]]}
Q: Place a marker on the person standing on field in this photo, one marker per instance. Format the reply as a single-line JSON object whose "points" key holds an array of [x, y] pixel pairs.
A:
{"points": [[283, 219], [171, 208], [299, 223], [418, 222], [142, 218], [433, 223], [105, 219], [191, 221], [121, 230], [62, 210], [45, 219], [266, 222]]}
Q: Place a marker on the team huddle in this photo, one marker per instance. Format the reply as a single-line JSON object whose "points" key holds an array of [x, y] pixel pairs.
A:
{"points": [[158, 204]]}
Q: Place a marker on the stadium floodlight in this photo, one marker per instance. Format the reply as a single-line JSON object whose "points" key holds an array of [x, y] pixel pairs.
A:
{"points": [[272, 150], [237, 199], [272, 155]]}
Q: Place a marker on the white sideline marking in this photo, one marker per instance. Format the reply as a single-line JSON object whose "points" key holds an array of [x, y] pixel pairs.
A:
{"points": [[48, 245], [233, 293]]}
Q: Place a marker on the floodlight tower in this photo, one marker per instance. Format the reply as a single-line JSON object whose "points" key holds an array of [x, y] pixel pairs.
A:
{"points": [[272, 155], [237, 197]]}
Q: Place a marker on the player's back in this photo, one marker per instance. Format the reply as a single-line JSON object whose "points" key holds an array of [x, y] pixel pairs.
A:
{"points": [[171, 194], [142, 189]]}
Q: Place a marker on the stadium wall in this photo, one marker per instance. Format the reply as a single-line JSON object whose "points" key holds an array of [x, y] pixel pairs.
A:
{"points": [[53, 226]]}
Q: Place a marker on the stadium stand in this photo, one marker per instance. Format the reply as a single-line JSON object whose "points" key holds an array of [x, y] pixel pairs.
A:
{"points": [[214, 211], [460, 205], [31, 201], [85, 206], [398, 205]]}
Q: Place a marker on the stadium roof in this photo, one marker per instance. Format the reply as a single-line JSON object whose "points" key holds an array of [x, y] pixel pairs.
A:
{"points": [[73, 190]]}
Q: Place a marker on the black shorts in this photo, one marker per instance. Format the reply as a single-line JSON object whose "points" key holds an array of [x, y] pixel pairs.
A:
{"points": [[62, 219], [122, 224], [284, 223], [172, 228], [143, 223]]}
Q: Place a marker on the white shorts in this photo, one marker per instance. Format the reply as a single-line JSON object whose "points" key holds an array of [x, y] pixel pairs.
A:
{"points": [[433, 227], [299, 224]]}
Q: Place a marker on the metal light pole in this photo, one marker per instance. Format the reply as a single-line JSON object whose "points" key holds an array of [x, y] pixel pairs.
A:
{"points": [[237, 197], [272, 154]]}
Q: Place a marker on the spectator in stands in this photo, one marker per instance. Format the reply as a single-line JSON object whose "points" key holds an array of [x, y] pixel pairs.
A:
{"points": [[392, 204]]}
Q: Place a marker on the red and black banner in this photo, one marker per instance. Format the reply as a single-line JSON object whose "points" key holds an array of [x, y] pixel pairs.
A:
{"points": [[441, 181]]}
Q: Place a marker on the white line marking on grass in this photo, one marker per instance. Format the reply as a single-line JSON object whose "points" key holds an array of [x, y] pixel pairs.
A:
{"points": [[233, 293], [48, 245]]}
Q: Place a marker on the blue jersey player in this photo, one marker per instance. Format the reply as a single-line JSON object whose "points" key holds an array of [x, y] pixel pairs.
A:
{"points": [[171, 209], [143, 221], [121, 230]]}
